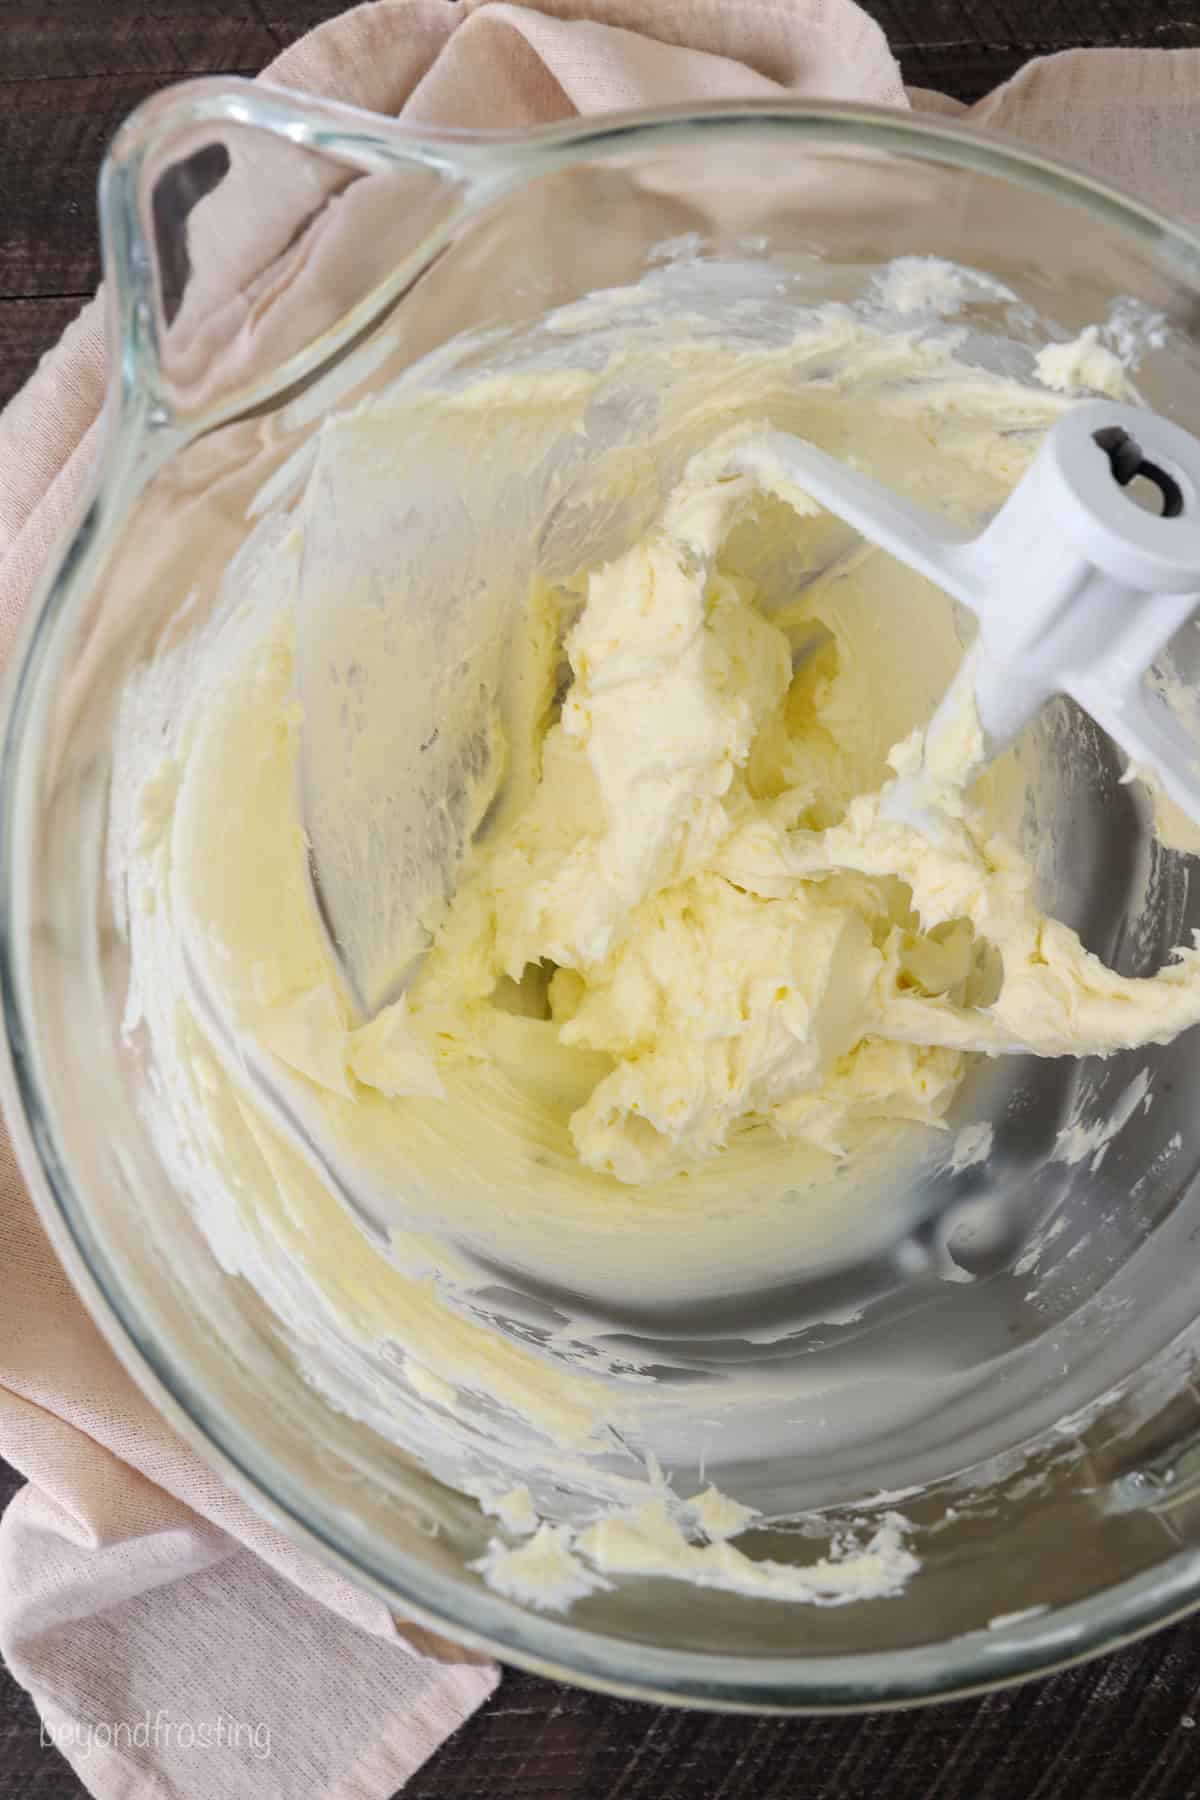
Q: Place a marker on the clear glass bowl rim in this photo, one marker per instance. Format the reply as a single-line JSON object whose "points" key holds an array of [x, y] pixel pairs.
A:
{"points": [[139, 434]]}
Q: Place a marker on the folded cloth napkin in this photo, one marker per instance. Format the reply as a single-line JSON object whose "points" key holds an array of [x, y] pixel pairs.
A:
{"points": [[175, 1644]]}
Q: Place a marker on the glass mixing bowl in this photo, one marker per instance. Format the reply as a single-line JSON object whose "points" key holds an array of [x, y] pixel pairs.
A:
{"points": [[271, 257]]}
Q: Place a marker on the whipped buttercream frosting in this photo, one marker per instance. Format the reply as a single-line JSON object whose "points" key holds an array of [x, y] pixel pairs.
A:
{"points": [[697, 1005]]}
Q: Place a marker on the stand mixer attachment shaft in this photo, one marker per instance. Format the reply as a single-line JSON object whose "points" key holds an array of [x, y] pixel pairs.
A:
{"points": [[1077, 587]]}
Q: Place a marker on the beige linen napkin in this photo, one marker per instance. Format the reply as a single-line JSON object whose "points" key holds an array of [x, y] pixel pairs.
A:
{"points": [[175, 1644]]}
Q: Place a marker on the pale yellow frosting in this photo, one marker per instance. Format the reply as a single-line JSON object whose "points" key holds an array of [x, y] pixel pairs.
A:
{"points": [[736, 956], [692, 970]]}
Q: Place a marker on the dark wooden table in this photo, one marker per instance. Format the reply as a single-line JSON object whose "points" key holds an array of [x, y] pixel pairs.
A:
{"points": [[1127, 1728]]}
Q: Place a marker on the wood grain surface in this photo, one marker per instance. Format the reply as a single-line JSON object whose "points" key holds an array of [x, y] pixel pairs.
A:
{"points": [[1127, 1728]]}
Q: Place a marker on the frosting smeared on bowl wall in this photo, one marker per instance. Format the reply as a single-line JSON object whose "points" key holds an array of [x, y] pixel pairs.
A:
{"points": [[697, 1011]]}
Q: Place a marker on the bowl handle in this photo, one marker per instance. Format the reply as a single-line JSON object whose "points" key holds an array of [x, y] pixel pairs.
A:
{"points": [[250, 233]]}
